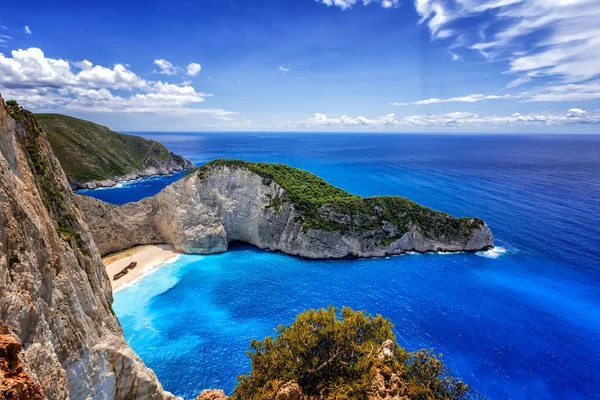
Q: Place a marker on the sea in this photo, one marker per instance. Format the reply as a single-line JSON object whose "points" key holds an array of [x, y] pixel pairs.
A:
{"points": [[519, 321]]}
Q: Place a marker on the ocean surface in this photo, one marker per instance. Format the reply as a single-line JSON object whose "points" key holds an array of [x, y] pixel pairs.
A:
{"points": [[521, 321]]}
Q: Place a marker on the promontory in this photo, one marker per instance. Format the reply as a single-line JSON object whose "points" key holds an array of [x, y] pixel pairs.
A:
{"points": [[93, 156], [277, 207]]}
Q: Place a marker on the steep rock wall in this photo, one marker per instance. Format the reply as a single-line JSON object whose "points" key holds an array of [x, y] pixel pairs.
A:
{"points": [[214, 206], [55, 294]]}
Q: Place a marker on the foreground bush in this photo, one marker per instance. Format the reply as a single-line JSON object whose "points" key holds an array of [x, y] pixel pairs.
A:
{"points": [[347, 355]]}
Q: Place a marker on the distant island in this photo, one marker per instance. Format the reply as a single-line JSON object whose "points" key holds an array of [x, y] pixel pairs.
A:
{"points": [[93, 156], [277, 207]]}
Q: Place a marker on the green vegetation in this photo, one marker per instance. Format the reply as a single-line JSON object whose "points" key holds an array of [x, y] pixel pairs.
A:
{"points": [[337, 358], [15, 111], [92, 152], [324, 206]]}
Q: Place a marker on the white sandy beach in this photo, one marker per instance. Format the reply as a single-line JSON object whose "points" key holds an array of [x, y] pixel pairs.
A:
{"points": [[147, 257]]}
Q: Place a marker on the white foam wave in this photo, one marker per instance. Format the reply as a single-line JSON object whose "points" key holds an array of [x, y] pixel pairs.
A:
{"points": [[494, 252]]}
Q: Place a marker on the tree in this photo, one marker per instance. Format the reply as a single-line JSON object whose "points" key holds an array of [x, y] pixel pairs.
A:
{"points": [[337, 355]]}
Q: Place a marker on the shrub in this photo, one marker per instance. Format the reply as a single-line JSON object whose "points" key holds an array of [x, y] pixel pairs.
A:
{"points": [[337, 358]]}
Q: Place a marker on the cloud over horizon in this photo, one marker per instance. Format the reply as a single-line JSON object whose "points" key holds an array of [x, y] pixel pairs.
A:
{"points": [[454, 120], [45, 83]]}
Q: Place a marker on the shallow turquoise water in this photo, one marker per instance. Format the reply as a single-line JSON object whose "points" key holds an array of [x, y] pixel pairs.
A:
{"points": [[519, 324]]}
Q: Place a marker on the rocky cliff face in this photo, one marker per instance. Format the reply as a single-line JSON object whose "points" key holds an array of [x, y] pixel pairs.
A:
{"points": [[174, 163], [229, 201], [55, 294]]}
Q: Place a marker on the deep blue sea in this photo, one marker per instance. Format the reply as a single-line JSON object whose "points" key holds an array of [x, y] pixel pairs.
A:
{"points": [[519, 322]]}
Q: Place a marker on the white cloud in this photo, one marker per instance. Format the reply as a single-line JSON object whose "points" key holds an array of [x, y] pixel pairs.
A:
{"points": [[555, 38], [560, 92], [472, 98], [283, 69], [194, 69], [27, 30], [49, 84], [166, 68], [345, 4], [455, 120]]}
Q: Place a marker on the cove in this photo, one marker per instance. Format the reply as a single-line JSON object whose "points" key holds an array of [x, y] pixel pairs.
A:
{"points": [[521, 321]]}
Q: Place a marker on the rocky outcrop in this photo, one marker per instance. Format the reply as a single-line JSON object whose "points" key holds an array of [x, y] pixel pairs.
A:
{"points": [[15, 383], [174, 163], [228, 201], [212, 394], [55, 294]]}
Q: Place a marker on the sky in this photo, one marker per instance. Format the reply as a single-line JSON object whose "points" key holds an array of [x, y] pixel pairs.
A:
{"points": [[308, 65]]}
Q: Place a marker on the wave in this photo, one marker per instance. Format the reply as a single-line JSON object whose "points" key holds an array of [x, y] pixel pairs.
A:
{"points": [[494, 252]]}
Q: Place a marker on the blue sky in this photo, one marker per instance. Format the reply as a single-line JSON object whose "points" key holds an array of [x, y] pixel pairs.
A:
{"points": [[302, 65]]}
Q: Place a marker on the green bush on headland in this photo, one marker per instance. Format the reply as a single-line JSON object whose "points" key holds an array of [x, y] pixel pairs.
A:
{"points": [[324, 206], [338, 355]]}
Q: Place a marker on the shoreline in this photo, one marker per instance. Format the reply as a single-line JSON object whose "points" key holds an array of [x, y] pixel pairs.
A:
{"points": [[116, 181], [148, 257]]}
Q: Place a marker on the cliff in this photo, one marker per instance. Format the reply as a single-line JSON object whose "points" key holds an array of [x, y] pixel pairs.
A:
{"points": [[94, 156], [55, 295], [277, 207]]}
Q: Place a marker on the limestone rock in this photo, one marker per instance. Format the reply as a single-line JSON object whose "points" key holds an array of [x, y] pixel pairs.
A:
{"points": [[289, 391], [211, 207], [55, 294], [212, 394], [387, 349]]}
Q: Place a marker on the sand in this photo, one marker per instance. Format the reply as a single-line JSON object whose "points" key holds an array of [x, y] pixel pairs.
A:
{"points": [[147, 258]]}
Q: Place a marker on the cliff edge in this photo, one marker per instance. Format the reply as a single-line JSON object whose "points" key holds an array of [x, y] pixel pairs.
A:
{"points": [[277, 207], [55, 295]]}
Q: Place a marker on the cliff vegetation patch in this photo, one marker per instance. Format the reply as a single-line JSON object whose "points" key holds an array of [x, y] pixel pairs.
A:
{"points": [[326, 207]]}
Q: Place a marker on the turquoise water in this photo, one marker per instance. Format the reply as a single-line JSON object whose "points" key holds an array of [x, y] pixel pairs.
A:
{"points": [[519, 322]]}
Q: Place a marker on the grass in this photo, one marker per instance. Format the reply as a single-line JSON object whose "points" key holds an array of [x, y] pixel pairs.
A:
{"points": [[326, 207], [90, 152]]}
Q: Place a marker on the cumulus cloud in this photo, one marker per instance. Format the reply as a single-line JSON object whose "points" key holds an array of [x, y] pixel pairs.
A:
{"points": [[28, 30], [193, 69], [45, 83], [283, 69], [345, 4], [538, 38], [455, 120], [166, 68]]}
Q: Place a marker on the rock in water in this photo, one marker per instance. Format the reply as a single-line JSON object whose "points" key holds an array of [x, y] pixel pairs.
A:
{"points": [[276, 207], [55, 294]]}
